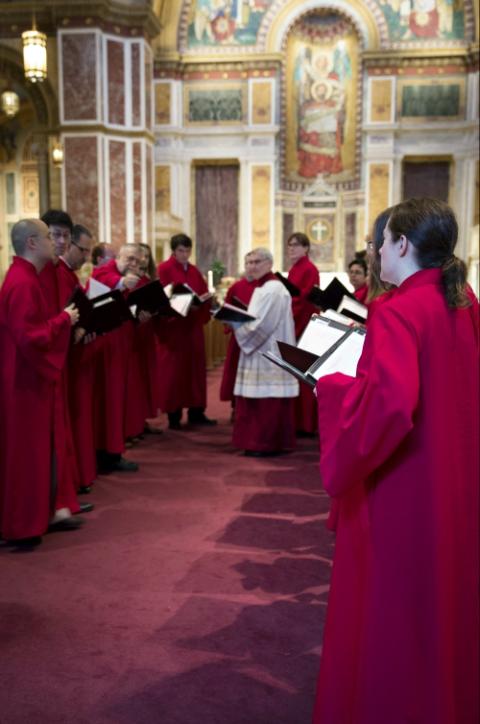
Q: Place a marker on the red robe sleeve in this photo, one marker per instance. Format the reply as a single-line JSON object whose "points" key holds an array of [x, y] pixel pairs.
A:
{"points": [[44, 344], [363, 420]]}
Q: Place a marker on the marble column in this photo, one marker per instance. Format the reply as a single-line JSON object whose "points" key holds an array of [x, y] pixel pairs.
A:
{"points": [[105, 102]]}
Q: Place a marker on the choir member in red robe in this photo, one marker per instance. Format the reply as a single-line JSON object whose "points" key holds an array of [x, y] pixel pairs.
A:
{"points": [[357, 274], [81, 362], [68, 478], [149, 347], [241, 290], [304, 274], [111, 382], [182, 343], [399, 451], [33, 351]]}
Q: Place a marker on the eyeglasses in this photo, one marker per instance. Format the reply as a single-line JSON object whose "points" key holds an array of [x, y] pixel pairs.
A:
{"points": [[83, 249], [293, 243]]}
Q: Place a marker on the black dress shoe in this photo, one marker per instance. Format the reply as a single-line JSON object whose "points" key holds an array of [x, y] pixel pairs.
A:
{"points": [[262, 453], [201, 420], [125, 466], [25, 544], [66, 524], [175, 426], [85, 508], [84, 489]]}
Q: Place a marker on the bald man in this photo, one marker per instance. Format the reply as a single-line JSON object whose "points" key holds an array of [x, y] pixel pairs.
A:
{"points": [[34, 348], [111, 383]]}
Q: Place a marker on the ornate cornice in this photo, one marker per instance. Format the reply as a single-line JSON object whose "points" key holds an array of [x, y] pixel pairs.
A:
{"points": [[109, 15]]}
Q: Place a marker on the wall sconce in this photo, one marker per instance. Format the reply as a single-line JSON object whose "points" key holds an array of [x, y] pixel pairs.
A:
{"points": [[10, 103], [34, 55], [57, 155]]}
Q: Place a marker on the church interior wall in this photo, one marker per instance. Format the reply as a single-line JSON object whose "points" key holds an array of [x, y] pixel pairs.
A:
{"points": [[320, 125]]}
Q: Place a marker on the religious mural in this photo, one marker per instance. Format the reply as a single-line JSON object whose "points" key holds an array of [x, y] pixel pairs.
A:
{"points": [[321, 88], [424, 19], [225, 22]]}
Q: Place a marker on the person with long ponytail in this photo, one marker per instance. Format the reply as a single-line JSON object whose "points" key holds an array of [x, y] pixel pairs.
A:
{"points": [[400, 454]]}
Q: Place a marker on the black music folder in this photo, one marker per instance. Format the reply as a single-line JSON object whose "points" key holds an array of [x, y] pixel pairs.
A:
{"points": [[186, 289], [150, 298], [292, 289], [101, 314], [238, 303], [229, 313], [331, 296], [328, 346]]}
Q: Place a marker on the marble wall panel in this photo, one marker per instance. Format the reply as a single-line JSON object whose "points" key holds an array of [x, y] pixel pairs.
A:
{"points": [[378, 188], [137, 191], [148, 87], [136, 80], [162, 103], [116, 82], [381, 100], [261, 102], [261, 205], [118, 192], [149, 192], [81, 180], [79, 85], [162, 189]]}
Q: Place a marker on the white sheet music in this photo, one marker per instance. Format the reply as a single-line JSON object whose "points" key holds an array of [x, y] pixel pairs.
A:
{"points": [[352, 305], [319, 336], [96, 289], [345, 358], [181, 303]]}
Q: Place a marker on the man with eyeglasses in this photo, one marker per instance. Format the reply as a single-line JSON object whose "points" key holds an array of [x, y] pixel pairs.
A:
{"points": [[111, 388], [60, 228], [34, 346], [81, 362]]}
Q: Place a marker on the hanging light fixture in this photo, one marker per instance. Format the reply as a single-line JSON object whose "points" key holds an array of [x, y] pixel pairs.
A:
{"points": [[10, 102], [57, 154], [34, 54]]}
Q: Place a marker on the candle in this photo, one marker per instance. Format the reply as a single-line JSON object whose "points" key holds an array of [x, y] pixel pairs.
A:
{"points": [[211, 288]]}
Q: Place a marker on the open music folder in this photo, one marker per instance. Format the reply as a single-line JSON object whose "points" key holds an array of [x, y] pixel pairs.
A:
{"points": [[102, 313], [229, 313], [326, 346], [149, 298], [291, 288]]}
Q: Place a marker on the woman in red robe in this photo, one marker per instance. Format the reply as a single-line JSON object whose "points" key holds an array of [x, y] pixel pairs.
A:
{"points": [[33, 349], [399, 451], [304, 274], [357, 274]]}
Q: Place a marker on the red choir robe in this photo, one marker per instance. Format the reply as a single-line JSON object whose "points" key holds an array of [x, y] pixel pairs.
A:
{"points": [[243, 290], [68, 477], [80, 382], [304, 274], [142, 368], [111, 376], [399, 451], [33, 351], [361, 294], [183, 369]]}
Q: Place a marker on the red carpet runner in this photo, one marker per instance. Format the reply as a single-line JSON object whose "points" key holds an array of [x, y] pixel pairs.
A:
{"points": [[194, 594]]}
